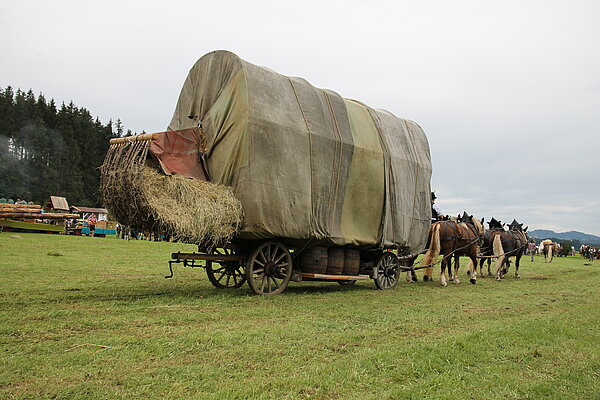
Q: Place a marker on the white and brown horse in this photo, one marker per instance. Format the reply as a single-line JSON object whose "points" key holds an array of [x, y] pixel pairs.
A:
{"points": [[549, 250], [453, 238]]}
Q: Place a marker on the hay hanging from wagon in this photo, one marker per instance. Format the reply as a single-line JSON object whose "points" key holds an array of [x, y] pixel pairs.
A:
{"points": [[138, 195]]}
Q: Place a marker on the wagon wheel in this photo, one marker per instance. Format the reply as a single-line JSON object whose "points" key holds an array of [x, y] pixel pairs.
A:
{"points": [[388, 272], [269, 269], [226, 274]]}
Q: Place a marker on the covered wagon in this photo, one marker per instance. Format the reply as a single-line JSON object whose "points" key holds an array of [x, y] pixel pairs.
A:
{"points": [[307, 184]]}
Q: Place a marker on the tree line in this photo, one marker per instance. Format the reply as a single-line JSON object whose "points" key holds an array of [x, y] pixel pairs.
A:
{"points": [[48, 150]]}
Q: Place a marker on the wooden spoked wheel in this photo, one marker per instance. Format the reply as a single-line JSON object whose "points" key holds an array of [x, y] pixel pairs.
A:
{"points": [[388, 271], [269, 269], [225, 274]]}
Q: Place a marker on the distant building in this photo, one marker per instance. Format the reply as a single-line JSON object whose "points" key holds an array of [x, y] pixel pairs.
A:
{"points": [[58, 203], [85, 212]]}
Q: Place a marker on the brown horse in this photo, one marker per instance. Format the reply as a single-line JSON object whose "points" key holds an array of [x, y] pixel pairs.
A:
{"points": [[506, 244], [453, 238]]}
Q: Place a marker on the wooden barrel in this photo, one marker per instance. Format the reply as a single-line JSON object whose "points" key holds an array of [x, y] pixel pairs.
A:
{"points": [[351, 262], [335, 260], [314, 260]]}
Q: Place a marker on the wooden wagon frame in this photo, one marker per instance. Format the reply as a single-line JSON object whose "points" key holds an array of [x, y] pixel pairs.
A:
{"points": [[269, 266]]}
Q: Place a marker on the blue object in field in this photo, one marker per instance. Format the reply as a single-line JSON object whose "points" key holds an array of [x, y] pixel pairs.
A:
{"points": [[98, 231]]}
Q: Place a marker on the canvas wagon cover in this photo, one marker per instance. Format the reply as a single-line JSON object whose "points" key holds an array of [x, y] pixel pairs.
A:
{"points": [[304, 162]]}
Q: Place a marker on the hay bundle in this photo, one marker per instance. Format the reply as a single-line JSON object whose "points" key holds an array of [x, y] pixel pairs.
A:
{"points": [[190, 210]]}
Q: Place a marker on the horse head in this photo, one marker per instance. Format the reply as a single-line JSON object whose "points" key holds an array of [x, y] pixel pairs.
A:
{"points": [[495, 225], [515, 226], [477, 224]]}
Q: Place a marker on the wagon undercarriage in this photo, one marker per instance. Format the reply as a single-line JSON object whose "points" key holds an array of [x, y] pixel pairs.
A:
{"points": [[269, 267]]}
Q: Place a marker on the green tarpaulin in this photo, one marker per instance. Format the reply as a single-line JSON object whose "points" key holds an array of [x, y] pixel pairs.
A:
{"points": [[304, 162]]}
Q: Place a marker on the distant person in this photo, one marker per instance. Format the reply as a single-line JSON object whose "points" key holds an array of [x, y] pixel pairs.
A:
{"points": [[92, 223], [532, 248]]}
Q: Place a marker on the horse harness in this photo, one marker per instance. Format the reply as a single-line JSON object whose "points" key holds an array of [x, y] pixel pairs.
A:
{"points": [[517, 239], [459, 235]]}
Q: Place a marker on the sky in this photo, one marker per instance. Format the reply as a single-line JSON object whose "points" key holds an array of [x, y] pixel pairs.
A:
{"points": [[507, 92]]}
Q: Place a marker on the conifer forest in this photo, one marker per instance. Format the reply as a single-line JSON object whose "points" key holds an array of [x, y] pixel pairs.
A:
{"points": [[47, 149]]}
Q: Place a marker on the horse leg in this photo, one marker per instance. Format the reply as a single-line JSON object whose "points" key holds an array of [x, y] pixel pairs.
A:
{"points": [[473, 266], [499, 264], [506, 266], [427, 275], [444, 263], [456, 266], [413, 276], [489, 262], [517, 261]]}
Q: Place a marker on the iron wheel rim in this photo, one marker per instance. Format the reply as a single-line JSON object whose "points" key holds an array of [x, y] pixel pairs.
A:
{"points": [[388, 272], [229, 274], [269, 269]]}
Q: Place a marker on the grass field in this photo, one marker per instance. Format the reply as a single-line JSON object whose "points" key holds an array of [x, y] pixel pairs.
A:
{"points": [[91, 318]]}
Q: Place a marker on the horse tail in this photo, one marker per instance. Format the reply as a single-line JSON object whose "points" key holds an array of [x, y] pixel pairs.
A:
{"points": [[498, 251], [550, 252], [497, 246], [434, 248]]}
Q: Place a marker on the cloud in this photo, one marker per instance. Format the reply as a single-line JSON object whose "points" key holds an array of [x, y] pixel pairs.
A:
{"points": [[508, 101]]}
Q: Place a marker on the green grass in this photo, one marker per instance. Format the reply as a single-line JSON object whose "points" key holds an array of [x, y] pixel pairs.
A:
{"points": [[61, 298]]}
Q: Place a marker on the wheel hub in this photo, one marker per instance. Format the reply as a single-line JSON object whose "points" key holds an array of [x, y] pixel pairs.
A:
{"points": [[271, 269]]}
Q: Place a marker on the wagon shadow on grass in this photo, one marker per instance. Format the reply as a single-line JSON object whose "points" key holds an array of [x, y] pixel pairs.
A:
{"points": [[136, 293]]}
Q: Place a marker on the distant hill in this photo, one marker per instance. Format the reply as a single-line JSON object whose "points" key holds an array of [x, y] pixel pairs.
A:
{"points": [[584, 238]]}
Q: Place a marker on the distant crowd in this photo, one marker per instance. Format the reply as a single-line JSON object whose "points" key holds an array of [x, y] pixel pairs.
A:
{"points": [[18, 201]]}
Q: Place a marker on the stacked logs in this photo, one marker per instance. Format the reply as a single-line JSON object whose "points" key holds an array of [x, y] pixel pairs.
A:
{"points": [[28, 211]]}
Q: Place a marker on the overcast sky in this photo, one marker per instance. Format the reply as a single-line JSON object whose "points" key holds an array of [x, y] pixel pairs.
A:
{"points": [[508, 92]]}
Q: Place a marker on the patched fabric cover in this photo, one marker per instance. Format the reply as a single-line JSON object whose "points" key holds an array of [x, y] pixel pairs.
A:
{"points": [[304, 162]]}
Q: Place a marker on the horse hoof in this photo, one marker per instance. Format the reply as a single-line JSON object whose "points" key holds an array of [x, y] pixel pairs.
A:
{"points": [[498, 278], [425, 278], [473, 281], [415, 279], [518, 276], [468, 272]]}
